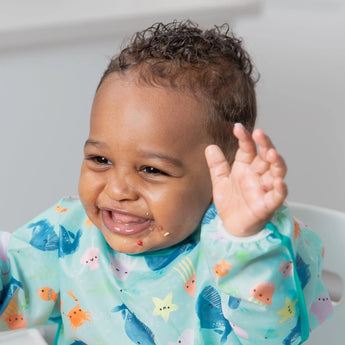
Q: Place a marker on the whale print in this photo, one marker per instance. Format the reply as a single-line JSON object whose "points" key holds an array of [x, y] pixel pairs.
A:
{"points": [[157, 262], [136, 331], [294, 334], [209, 311], [303, 271], [7, 292], [68, 242], [210, 214], [43, 236], [240, 332], [234, 302]]}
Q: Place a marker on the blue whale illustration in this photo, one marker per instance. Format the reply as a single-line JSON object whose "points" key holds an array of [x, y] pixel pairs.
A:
{"points": [[303, 271], [294, 334], [68, 241], [43, 236], [209, 310], [136, 331], [234, 302], [157, 262], [210, 214]]}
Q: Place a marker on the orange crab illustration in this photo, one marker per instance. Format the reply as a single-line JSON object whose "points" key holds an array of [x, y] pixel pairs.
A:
{"points": [[76, 315]]}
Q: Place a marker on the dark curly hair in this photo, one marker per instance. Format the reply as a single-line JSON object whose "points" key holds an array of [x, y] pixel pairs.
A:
{"points": [[210, 64]]}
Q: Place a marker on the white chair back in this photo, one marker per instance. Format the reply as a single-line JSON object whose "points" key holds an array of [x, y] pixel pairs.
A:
{"points": [[330, 226]]}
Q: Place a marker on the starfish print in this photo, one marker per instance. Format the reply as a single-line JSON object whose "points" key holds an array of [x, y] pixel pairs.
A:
{"points": [[164, 307], [288, 311]]}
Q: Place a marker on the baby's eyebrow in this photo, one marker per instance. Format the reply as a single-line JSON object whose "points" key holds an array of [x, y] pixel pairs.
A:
{"points": [[94, 143], [157, 155]]}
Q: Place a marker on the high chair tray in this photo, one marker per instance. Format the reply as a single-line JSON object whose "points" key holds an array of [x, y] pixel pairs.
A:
{"points": [[22, 337]]}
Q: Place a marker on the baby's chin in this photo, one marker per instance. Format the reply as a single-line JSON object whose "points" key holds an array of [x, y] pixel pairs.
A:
{"points": [[135, 246]]}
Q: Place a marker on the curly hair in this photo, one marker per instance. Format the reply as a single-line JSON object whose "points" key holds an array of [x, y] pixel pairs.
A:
{"points": [[210, 64]]}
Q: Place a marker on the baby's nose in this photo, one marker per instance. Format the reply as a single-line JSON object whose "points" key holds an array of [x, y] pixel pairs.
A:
{"points": [[120, 188]]}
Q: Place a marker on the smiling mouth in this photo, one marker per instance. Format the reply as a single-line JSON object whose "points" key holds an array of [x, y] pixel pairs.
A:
{"points": [[124, 223]]}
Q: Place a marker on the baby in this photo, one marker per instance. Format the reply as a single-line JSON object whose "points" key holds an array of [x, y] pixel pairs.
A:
{"points": [[181, 234]]}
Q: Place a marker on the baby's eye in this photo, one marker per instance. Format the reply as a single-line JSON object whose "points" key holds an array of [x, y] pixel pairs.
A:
{"points": [[153, 171], [99, 160]]}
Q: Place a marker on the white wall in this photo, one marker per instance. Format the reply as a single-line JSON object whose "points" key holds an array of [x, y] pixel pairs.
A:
{"points": [[46, 92], [299, 49]]}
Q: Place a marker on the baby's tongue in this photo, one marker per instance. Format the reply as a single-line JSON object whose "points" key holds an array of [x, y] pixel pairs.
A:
{"points": [[126, 218]]}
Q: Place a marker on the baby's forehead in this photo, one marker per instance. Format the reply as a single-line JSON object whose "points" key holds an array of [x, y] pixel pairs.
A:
{"points": [[145, 113]]}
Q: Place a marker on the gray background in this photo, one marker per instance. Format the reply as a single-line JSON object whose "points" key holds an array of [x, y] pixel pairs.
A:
{"points": [[48, 78]]}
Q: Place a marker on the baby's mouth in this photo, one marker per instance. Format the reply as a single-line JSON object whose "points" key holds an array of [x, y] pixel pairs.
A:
{"points": [[124, 223]]}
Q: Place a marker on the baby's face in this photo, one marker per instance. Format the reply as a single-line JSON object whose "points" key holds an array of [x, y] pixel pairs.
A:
{"points": [[144, 179]]}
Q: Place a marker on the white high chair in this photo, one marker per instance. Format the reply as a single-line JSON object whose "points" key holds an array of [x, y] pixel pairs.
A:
{"points": [[330, 226]]}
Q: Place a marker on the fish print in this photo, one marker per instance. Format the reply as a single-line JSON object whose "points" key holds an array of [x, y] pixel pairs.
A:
{"points": [[221, 269], [47, 294], [136, 330], [209, 311]]}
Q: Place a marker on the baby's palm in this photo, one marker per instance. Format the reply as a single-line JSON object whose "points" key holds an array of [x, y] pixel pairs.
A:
{"points": [[247, 194]]}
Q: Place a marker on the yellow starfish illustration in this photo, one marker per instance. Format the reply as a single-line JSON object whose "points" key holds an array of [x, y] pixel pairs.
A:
{"points": [[288, 311], [164, 307]]}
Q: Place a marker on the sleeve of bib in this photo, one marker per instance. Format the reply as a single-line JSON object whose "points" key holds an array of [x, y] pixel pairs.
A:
{"points": [[29, 285], [271, 282]]}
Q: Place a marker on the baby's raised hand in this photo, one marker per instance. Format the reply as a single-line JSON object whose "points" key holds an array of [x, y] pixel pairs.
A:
{"points": [[248, 193]]}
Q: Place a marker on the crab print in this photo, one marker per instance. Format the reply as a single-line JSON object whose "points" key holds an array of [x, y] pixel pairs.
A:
{"points": [[76, 315]]}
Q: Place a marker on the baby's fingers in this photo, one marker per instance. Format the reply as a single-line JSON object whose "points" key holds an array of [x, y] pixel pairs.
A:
{"points": [[246, 146], [275, 198], [217, 163], [278, 165]]}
